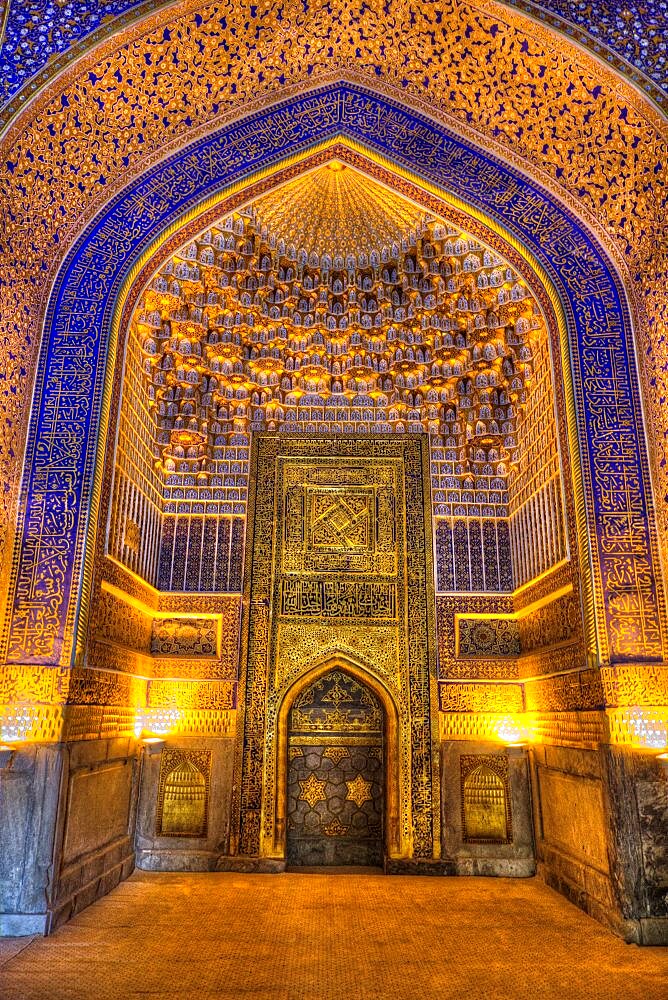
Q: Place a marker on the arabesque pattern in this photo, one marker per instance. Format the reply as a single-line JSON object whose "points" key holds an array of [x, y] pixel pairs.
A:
{"points": [[617, 497], [37, 35]]}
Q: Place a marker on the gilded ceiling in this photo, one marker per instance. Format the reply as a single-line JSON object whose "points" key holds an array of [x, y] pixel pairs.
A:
{"points": [[332, 304], [337, 210]]}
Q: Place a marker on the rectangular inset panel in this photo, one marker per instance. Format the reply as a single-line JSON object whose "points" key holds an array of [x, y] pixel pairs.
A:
{"points": [[487, 637], [573, 816], [339, 519], [183, 793], [184, 637], [98, 809], [485, 797], [338, 599]]}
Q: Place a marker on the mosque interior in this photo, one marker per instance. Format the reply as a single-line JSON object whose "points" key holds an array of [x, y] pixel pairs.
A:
{"points": [[334, 452]]}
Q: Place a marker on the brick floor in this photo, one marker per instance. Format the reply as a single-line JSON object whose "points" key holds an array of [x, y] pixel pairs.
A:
{"points": [[359, 937]]}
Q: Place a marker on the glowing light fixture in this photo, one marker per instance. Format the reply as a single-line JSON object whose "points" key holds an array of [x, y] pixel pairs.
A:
{"points": [[156, 721], [511, 731], [17, 724], [648, 730]]}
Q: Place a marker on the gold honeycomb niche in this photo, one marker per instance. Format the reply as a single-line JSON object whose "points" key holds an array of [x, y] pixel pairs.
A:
{"points": [[334, 304], [183, 793], [261, 323]]}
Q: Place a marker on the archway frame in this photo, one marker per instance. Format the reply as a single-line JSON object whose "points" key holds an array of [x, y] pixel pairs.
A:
{"points": [[44, 621], [394, 800], [538, 274], [429, 198], [234, 197]]}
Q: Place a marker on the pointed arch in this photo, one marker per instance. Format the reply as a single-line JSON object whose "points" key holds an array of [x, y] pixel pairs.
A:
{"points": [[43, 623], [395, 840]]}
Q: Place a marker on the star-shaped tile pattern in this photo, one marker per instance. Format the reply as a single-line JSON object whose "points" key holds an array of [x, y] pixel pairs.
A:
{"points": [[359, 791], [312, 790]]}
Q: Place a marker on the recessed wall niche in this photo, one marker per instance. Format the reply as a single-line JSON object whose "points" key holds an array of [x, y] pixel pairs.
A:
{"points": [[485, 799], [267, 321], [183, 793]]}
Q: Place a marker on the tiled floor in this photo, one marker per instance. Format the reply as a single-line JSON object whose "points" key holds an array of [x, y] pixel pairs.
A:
{"points": [[360, 937]]}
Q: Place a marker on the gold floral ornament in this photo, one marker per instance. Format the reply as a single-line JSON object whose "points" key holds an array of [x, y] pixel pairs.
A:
{"points": [[336, 754], [312, 790], [335, 828], [359, 791]]}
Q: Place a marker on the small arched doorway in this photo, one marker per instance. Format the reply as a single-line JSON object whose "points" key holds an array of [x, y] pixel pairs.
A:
{"points": [[336, 774]]}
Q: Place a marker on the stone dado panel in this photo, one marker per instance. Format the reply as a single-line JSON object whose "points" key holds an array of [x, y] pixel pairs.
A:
{"points": [[487, 853], [573, 816], [98, 809], [186, 849], [94, 846]]}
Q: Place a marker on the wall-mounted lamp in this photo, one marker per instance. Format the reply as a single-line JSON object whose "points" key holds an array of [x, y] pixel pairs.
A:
{"points": [[648, 728], [512, 730], [663, 761], [153, 745], [16, 723], [156, 721]]}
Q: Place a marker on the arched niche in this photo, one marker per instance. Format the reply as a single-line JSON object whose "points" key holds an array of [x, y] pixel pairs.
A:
{"points": [[336, 774], [394, 795], [485, 795]]}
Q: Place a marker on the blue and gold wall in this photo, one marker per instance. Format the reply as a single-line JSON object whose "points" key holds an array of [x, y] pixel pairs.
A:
{"points": [[179, 116]]}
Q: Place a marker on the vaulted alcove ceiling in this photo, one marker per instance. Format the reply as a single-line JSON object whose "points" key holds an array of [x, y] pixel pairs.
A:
{"points": [[336, 210], [334, 304]]}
